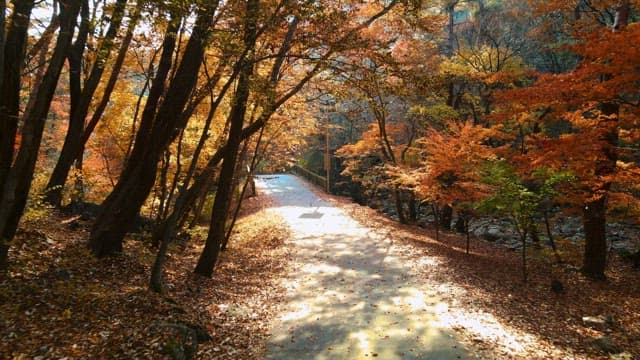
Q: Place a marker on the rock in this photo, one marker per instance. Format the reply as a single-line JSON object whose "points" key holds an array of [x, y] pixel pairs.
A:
{"points": [[606, 345], [600, 322], [492, 233]]}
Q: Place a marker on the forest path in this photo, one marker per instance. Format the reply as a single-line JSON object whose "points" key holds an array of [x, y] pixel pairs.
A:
{"points": [[352, 293]]}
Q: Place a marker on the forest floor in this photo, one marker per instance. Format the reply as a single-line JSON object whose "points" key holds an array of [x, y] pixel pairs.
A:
{"points": [[57, 301]]}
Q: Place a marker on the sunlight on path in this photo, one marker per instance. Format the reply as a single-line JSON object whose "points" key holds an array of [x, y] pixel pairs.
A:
{"points": [[351, 295]]}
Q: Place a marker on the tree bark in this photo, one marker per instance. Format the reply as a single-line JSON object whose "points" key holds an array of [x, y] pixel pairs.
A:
{"points": [[209, 256], [11, 64], [18, 181], [3, 9]]}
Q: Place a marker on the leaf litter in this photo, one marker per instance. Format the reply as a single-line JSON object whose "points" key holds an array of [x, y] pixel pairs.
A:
{"points": [[58, 301]]}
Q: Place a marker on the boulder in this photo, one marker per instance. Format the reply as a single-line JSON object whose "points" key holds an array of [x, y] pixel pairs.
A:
{"points": [[492, 233]]}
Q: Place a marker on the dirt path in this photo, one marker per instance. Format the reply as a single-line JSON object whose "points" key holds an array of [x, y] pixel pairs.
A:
{"points": [[353, 293]]}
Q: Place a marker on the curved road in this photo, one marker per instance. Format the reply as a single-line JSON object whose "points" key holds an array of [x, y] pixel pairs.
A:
{"points": [[352, 293]]}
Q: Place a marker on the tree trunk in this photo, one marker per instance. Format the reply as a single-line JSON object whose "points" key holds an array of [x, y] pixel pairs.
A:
{"points": [[595, 209], [199, 188], [248, 180], [436, 215], [465, 221], [3, 9], [459, 224], [209, 256], [413, 208], [397, 196], [525, 274], [11, 63], [595, 245], [107, 233], [81, 100], [446, 216], [157, 130], [535, 237], [18, 181], [550, 236]]}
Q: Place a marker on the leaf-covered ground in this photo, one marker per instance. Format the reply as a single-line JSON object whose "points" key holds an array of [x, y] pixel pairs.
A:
{"points": [[502, 317], [58, 301]]}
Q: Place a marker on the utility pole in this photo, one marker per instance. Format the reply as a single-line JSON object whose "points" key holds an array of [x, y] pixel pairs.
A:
{"points": [[327, 156]]}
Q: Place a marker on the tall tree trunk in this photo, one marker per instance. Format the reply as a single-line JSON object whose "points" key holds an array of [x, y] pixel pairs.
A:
{"points": [[82, 99], [595, 209], [3, 9], [11, 64], [216, 235], [157, 130], [107, 233], [18, 181]]}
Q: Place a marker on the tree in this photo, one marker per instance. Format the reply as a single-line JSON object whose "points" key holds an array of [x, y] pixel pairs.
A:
{"points": [[159, 126], [11, 64], [17, 183], [451, 172], [82, 95], [595, 102]]}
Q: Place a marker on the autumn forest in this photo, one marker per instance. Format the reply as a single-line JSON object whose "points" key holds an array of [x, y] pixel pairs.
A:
{"points": [[133, 132]]}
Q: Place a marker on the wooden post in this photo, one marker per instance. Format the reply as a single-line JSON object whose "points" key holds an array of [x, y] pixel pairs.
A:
{"points": [[327, 159]]}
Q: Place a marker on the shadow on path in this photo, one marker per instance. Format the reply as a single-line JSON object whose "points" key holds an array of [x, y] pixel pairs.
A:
{"points": [[352, 294]]}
